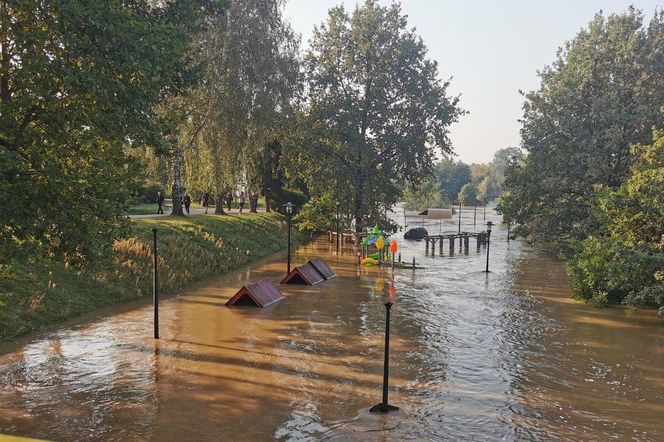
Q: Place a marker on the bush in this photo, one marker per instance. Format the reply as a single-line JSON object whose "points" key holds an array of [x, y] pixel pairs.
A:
{"points": [[281, 196], [316, 216], [147, 193], [608, 270]]}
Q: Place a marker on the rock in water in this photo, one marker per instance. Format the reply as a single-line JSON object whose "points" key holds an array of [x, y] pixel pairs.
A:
{"points": [[417, 233]]}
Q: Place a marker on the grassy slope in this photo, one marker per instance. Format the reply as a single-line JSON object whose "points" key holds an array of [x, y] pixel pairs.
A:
{"points": [[190, 249]]}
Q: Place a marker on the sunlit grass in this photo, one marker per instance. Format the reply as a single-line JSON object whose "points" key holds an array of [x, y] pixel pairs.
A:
{"points": [[190, 249]]}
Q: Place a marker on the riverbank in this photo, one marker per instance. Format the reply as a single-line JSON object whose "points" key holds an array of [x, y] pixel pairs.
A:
{"points": [[34, 296]]}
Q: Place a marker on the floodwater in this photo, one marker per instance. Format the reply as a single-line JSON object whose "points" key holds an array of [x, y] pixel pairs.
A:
{"points": [[474, 356]]}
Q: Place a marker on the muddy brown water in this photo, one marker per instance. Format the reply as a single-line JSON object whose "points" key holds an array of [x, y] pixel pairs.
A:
{"points": [[474, 356]]}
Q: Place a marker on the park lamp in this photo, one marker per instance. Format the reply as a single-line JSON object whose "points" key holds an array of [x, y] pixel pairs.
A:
{"points": [[337, 204], [289, 207], [488, 226]]}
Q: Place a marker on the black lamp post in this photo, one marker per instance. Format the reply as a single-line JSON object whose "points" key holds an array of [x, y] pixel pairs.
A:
{"points": [[459, 216], [289, 213], [337, 204], [155, 286], [488, 242], [509, 224]]}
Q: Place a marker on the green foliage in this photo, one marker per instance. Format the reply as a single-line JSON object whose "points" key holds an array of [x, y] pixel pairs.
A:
{"points": [[491, 185], [78, 84], [282, 196], [317, 215], [376, 112], [627, 262], [482, 182], [243, 107], [608, 266], [601, 95], [452, 175], [34, 294], [468, 194], [427, 195]]}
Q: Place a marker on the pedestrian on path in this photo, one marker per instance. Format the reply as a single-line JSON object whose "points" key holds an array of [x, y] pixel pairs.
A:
{"points": [[160, 202], [187, 202], [206, 201], [229, 200], [241, 201]]}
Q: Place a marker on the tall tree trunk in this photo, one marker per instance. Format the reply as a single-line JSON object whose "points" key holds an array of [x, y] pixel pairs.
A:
{"points": [[219, 203], [177, 183], [266, 192], [253, 205], [358, 210], [5, 94]]}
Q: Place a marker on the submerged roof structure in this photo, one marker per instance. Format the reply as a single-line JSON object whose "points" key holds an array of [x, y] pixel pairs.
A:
{"points": [[259, 294]]}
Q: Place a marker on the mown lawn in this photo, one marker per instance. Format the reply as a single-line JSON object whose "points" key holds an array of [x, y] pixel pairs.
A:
{"points": [[34, 295]]}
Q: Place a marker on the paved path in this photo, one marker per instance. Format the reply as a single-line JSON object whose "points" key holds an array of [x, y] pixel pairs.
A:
{"points": [[194, 211]]}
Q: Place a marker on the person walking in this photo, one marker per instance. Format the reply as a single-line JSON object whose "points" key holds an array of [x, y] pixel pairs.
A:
{"points": [[241, 201], [229, 200], [206, 201], [187, 202], [160, 202]]}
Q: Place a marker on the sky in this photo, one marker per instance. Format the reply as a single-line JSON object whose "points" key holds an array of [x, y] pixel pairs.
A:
{"points": [[491, 49]]}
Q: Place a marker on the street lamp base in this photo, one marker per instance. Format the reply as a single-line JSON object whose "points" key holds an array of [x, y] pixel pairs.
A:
{"points": [[380, 408]]}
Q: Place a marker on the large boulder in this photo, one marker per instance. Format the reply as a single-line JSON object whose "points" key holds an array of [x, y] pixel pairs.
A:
{"points": [[417, 233]]}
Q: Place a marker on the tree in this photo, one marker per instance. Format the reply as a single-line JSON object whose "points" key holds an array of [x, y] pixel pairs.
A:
{"points": [[452, 175], [427, 195], [625, 261], [78, 84], [468, 194], [601, 95], [245, 103], [376, 112]]}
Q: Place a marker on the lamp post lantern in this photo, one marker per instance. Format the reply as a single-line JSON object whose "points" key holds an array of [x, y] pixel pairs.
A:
{"points": [[337, 204], [289, 213], [488, 242]]}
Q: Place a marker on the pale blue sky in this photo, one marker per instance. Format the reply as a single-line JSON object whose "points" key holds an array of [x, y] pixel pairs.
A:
{"points": [[491, 48]]}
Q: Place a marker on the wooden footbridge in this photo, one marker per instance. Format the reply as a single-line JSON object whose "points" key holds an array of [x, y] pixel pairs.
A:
{"points": [[463, 237]]}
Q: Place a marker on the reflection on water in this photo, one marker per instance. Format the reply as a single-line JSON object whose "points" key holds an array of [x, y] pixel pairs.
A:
{"points": [[504, 355]]}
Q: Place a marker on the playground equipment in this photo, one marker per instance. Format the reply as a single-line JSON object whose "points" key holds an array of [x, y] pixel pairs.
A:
{"points": [[375, 238]]}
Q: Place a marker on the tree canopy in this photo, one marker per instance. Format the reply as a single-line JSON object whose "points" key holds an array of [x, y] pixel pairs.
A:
{"points": [[241, 109], [624, 261], [376, 112], [601, 95], [78, 86]]}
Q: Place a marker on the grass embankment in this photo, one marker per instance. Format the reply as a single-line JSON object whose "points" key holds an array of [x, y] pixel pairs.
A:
{"points": [[35, 295]]}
